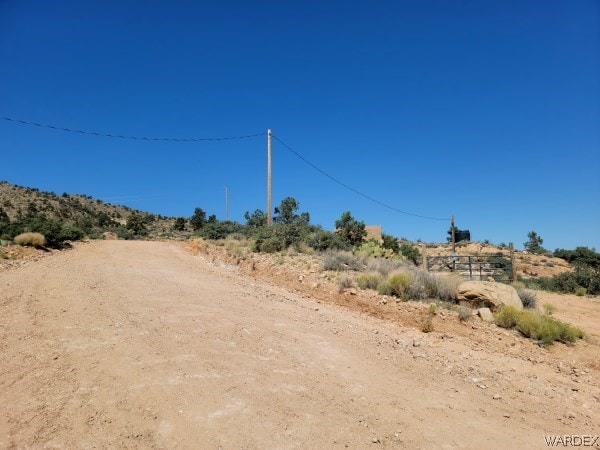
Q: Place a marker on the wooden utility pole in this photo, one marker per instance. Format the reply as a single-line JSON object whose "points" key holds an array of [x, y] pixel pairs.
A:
{"points": [[453, 235], [269, 206], [226, 204]]}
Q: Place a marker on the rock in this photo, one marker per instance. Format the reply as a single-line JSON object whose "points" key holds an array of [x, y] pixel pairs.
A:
{"points": [[301, 278], [485, 314], [491, 280], [496, 396], [375, 440], [492, 295], [352, 291], [315, 285], [416, 342]]}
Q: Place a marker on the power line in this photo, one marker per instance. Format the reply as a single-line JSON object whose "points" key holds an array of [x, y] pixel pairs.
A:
{"points": [[139, 138], [341, 183]]}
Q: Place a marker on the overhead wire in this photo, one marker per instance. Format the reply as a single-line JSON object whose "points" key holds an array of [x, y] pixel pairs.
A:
{"points": [[139, 138], [286, 146], [350, 188]]}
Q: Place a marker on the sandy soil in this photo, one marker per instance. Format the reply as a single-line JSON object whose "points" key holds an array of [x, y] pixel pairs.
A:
{"points": [[119, 344]]}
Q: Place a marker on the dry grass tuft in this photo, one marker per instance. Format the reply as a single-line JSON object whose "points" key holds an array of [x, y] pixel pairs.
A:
{"points": [[30, 239]]}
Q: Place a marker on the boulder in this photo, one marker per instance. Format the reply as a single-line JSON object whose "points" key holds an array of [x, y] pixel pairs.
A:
{"points": [[485, 314], [491, 295]]}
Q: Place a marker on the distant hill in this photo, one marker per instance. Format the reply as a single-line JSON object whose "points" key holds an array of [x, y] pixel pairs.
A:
{"points": [[29, 209]]}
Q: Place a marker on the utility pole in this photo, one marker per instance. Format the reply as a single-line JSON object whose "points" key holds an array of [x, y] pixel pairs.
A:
{"points": [[269, 214], [453, 235], [226, 204], [453, 244]]}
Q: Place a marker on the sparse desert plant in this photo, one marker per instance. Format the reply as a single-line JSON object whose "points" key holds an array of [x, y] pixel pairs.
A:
{"points": [[580, 291], [549, 309], [464, 313], [534, 325], [30, 239], [427, 324], [384, 288], [528, 298], [345, 283], [368, 280], [399, 281], [384, 266], [339, 261]]}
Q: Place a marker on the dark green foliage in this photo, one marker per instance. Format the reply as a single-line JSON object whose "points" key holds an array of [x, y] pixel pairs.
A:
{"points": [[136, 223], [568, 282], [255, 220], [410, 251], [179, 224], [219, 230], [349, 229], [285, 213], [390, 242], [580, 256], [324, 240], [198, 219], [212, 218], [534, 244]]}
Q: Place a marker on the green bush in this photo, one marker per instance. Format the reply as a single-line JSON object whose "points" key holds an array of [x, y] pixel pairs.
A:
{"points": [[410, 252], [534, 325], [368, 280], [385, 288], [399, 281], [580, 291]]}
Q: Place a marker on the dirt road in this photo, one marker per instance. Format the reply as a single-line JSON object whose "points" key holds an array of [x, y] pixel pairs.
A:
{"points": [[120, 344]]}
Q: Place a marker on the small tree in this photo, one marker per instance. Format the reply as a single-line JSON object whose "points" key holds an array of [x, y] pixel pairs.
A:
{"points": [[390, 242], [137, 224], [179, 224], [349, 229], [255, 220], [534, 244], [198, 219]]}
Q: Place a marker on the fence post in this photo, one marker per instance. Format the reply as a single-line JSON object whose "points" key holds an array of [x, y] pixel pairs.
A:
{"points": [[513, 266], [470, 269], [424, 255]]}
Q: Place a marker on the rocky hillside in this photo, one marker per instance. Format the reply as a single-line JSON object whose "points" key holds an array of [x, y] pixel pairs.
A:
{"points": [[22, 207]]}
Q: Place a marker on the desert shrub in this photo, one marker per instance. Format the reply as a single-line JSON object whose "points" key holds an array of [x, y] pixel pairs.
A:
{"points": [[322, 240], [410, 252], [384, 266], [345, 283], [580, 291], [534, 325], [528, 298], [427, 324], [385, 288], [447, 286], [464, 313], [70, 233], [340, 261], [549, 309], [30, 239], [271, 245], [368, 280], [179, 224], [399, 282]]}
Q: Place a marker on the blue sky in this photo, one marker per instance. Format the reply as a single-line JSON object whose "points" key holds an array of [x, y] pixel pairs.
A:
{"points": [[489, 111]]}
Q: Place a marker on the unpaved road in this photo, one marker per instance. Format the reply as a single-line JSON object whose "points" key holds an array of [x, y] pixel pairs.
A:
{"points": [[120, 344]]}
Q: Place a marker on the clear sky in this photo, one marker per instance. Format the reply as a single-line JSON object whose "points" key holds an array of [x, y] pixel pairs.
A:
{"points": [[488, 110]]}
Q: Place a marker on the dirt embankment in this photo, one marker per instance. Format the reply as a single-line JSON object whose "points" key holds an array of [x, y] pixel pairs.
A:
{"points": [[144, 345]]}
